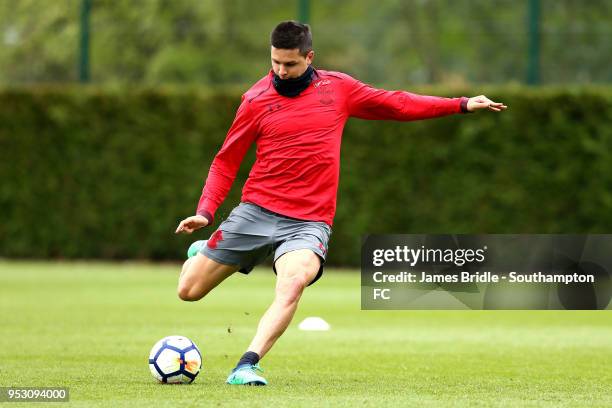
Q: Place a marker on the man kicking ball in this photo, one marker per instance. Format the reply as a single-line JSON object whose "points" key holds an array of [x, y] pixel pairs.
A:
{"points": [[295, 115]]}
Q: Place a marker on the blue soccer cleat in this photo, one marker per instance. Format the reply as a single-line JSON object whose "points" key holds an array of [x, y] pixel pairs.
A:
{"points": [[195, 248], [246, 375]]}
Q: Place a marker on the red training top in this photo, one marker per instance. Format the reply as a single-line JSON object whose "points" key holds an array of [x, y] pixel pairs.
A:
{"points": [[297, 163]]}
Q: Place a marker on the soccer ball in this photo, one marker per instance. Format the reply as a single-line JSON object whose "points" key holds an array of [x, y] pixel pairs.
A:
{"points": [[175, 360]]}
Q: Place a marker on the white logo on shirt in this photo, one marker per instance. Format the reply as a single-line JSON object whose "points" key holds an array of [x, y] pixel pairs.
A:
{"points": [[322, 82]]}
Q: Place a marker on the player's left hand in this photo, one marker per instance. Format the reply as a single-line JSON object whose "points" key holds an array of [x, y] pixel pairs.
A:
{"points": [[482, 102]]}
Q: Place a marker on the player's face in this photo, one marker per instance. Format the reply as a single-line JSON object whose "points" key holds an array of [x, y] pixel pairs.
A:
{"points": [[289, 63]]}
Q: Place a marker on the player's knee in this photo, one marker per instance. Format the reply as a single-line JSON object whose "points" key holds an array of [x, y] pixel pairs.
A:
{"points": [[289, 290], [307, 264], [186, 293]]}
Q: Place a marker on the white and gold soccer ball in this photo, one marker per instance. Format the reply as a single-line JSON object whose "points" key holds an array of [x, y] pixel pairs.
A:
{"points": [[175, 360]]}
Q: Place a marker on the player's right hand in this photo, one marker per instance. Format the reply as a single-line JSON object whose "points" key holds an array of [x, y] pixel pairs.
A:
{"points": [[190, 224]]}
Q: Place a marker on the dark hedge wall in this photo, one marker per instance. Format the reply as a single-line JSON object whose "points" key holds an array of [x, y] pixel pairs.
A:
{"points": [[108, 173]]}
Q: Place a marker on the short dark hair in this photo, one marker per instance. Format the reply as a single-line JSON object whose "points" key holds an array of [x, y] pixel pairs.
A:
{"points": [[290, 35]]}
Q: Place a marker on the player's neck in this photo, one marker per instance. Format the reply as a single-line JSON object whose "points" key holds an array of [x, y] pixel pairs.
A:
{"points": [[292, 87]]}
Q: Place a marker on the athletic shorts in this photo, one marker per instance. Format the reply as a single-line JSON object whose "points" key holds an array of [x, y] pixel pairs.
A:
{"points": [[251, 233]]}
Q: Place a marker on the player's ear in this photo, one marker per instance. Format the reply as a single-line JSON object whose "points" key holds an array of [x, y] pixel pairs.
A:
{"points": [[309, 57]]}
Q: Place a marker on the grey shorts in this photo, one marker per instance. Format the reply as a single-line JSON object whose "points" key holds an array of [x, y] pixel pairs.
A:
{"points": [[251, 233]]}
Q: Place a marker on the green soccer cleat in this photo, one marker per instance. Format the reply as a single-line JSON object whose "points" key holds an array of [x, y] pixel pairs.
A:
{"points": [[195, 248], [246, 375]]}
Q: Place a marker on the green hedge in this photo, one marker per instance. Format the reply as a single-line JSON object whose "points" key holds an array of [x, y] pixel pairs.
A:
{"points": [[108, 173]]}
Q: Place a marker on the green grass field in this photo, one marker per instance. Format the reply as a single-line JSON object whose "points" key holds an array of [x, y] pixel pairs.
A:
{"points": [[89, 326]]}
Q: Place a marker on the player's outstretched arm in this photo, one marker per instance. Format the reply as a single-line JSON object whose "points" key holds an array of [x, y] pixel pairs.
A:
{"points": [[366, 102], [190, 224], [482, 102]]}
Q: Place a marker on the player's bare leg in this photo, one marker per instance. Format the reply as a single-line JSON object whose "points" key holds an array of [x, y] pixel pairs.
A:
{"points": [[295, 270], [200, 275]]}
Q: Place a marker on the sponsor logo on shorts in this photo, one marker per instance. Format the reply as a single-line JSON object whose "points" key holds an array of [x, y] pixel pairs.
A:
{"points": [[322, 248], [214, 239]]}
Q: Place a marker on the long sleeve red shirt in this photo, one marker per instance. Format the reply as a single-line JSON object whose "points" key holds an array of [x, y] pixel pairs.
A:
{"points": [[297, 164]]}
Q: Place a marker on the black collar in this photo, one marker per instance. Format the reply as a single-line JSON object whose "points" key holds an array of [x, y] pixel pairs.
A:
{"points": [[292, 87]]}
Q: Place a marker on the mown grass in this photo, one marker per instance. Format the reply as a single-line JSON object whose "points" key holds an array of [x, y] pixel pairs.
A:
{"points": [[89, 327]]}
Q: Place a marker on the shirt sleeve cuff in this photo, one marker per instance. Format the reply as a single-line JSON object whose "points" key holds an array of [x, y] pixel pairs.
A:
{"points": [[463, 105], [206, 215]]}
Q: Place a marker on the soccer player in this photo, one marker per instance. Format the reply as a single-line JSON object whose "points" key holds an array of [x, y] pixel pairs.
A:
{"points": [[295, 115]]}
